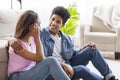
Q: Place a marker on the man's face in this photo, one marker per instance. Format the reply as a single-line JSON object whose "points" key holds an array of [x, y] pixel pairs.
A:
{"points": [[55, 23]]}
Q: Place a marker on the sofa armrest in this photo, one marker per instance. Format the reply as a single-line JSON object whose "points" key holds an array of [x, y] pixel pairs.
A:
{"points": [[3, 43], [84, 28], [87, 28], [118, 39]]}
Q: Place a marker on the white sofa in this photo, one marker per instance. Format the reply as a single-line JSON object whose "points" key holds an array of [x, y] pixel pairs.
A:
{"points": [[97, 32], [8, 20]]}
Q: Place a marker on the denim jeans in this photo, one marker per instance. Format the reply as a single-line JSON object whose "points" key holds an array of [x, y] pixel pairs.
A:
{"points": [[82, 58], [41, 71]]}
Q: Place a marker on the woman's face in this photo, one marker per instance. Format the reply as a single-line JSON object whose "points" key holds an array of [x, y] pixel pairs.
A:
{"points": [[36, 24], [55, 23]]}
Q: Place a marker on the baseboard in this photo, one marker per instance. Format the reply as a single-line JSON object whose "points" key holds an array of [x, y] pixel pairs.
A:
{"points": [[108, 55]]}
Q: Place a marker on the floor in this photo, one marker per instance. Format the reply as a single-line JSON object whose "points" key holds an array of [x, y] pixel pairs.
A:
{"points": [[113, 64]]}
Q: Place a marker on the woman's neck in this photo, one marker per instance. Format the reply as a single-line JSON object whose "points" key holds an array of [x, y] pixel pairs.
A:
{"points": [[26, 40]]}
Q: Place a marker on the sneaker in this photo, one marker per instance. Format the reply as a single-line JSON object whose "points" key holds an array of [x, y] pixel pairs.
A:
{"points": [[113, 78]]}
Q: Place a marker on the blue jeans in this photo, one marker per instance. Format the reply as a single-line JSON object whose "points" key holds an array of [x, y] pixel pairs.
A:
{"points": [[41, 71], [82, 58]]}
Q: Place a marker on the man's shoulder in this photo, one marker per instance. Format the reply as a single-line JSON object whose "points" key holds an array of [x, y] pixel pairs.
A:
{"points": [[44, 33], [43, 29], [65, 36]]}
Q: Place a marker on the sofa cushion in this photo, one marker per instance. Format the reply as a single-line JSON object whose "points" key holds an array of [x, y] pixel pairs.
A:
{"points": [[97, 24], [8, 19]]}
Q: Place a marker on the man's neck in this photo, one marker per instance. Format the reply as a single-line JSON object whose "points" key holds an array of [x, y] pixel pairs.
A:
{"points": [[56, 35]]}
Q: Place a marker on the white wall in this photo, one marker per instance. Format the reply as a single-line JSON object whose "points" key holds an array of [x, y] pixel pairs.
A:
{"points": [[86, 8], [44, 7]]}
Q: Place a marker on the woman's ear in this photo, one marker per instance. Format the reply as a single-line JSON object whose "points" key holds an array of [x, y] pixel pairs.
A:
{"points": [[31, 27]]}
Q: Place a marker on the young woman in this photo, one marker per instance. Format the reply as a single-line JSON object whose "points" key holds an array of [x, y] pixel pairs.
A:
{"points": [[28, 62]]}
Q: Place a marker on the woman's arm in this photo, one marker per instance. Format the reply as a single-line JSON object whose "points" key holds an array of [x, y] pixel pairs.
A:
{"points": [[18, 48]]}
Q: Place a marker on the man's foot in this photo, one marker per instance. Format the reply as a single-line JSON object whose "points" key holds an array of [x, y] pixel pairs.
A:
{"points": [[113, 78]]}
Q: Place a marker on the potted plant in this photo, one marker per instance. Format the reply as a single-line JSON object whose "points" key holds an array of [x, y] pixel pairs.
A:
{"points": [[71, 25]]}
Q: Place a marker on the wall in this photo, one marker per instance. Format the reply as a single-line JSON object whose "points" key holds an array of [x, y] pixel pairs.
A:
{"points": [[44, 7]]}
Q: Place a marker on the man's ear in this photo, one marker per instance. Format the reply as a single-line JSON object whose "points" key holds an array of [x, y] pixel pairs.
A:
{"points": [[62, 25]]}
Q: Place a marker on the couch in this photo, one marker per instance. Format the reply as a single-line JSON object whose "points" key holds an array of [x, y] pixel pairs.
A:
{"points": [[106, 39], [8, 20]]}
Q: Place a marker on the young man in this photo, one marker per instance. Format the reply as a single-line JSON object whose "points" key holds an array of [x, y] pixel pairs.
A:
{"points": [[60, 46]]}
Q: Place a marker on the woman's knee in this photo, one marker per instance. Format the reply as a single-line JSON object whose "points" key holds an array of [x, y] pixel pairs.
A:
{"points": [[51, 60]]}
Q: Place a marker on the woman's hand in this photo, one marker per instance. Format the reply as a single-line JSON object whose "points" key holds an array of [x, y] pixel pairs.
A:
{"points": [[35, 30]]}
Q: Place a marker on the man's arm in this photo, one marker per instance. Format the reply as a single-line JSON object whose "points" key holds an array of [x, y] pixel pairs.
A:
{"points": [[15, 44], [68, 69]]}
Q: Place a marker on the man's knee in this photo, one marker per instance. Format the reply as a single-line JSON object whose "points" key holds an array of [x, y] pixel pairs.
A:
{"points": [[79, 71], [89, 47], [80, 68]]}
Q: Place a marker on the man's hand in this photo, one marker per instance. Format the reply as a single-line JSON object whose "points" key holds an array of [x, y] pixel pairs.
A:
{"points": [[16, 45], [68, 69], [92, 44]]}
